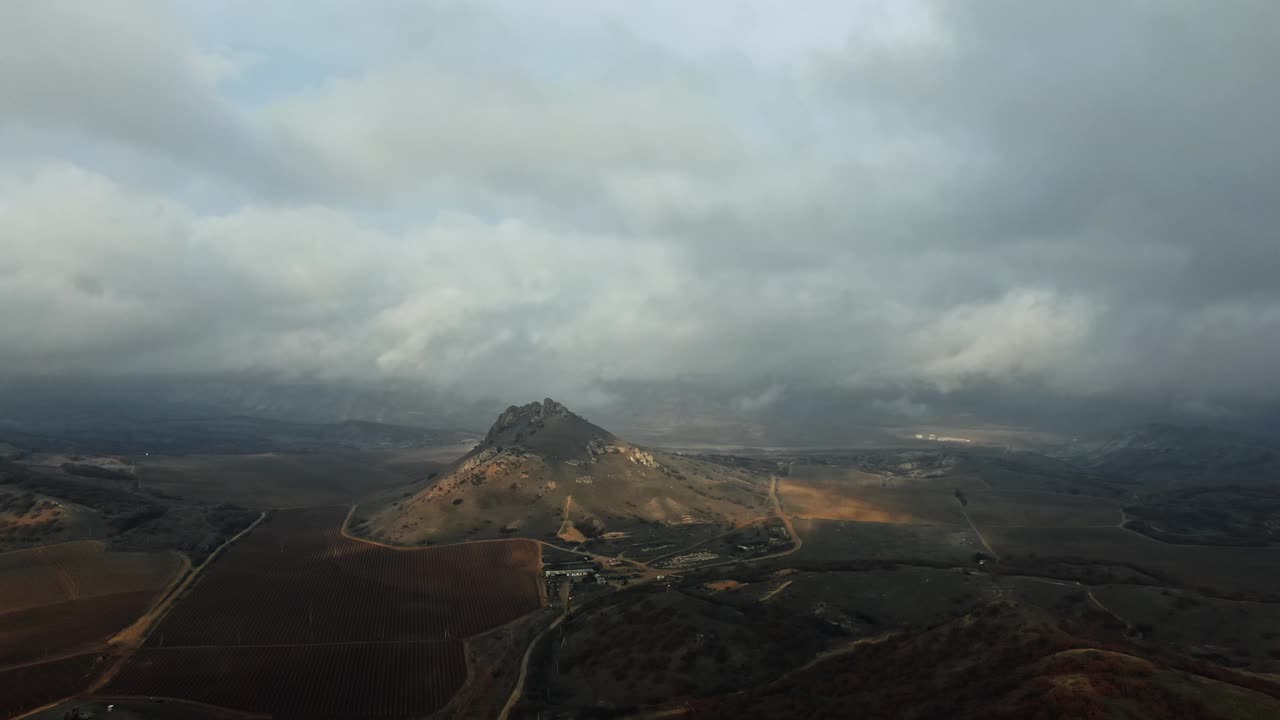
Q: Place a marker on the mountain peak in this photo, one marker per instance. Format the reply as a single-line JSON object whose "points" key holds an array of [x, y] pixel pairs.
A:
{"points": [[545, 427], [543, 471], [526, 415]]}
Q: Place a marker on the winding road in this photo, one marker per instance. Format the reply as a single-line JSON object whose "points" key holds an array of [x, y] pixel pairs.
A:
{"points": [[518, 690]]}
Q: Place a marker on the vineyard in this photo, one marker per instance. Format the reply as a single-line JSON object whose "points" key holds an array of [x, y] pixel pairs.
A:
{"points": [[70, 571], [369, 680], [28, 687], [297, 619], [36, 633], [63, 598]]}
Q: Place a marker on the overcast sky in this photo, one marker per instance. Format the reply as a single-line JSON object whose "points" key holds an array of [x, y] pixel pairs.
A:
{"points": [[565, 196]]}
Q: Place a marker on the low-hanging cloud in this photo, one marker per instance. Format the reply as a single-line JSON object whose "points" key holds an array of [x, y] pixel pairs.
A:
{"points": [[938, 196]]}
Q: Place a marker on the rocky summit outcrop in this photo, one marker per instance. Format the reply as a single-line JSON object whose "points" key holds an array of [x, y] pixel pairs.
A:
{"points": [[528, 416], [547, 429]]}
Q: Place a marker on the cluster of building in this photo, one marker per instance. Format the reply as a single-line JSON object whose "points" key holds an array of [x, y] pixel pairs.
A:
{"points": [[574, 570], [688, 559], [941, 438]]}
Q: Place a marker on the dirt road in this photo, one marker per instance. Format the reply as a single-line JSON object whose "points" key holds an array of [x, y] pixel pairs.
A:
{"points": [[127, 641], [820, 658], [796, 541], [786, 519], [769, 595], [978, 532], [518, 690]]}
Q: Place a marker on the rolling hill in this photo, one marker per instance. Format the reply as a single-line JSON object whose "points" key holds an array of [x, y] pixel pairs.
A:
{"points": [[1165, 457], [1009, 662], [543, 471]]}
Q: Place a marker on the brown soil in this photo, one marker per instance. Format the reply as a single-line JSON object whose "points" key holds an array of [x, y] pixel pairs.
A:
{"points": [[721, 585], [570, 534]]}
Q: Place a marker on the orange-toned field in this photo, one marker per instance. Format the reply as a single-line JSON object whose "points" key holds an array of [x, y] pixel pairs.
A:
{"points": [[66, 598], [837, 501], [722, 585]]}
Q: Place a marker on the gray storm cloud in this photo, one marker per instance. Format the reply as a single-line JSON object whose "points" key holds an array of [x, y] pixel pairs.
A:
{"points": [[921, 198]]}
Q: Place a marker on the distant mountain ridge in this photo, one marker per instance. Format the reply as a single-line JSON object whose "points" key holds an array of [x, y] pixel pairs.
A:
{"points": [[1167, 436], [1167, 456], [232, 435]]}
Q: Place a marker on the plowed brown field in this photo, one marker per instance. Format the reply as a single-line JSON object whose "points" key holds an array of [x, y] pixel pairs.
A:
{"points": [[64, 598]]}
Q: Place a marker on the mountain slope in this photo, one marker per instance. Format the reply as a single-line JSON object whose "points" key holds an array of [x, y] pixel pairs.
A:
{"points": [[543, 471], [1010, 662]]}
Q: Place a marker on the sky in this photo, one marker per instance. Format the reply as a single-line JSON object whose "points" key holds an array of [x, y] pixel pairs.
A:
{"points": [[917, 202]]}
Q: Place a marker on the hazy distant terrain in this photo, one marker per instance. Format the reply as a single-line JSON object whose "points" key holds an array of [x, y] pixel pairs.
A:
{"points": [[223, 435], [278, 479]]}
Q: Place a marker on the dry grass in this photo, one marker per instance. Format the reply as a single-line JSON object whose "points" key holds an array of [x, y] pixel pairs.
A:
{"points": [[1228, 571], [844, 476], [1013, 509]]}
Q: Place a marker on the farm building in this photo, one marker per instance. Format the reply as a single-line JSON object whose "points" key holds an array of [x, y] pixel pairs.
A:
{"points": [[570, 569]]}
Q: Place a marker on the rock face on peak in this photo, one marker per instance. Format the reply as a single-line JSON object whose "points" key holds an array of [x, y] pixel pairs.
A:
{"points": [[543, 471], [525, 416], [547, 428]]}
